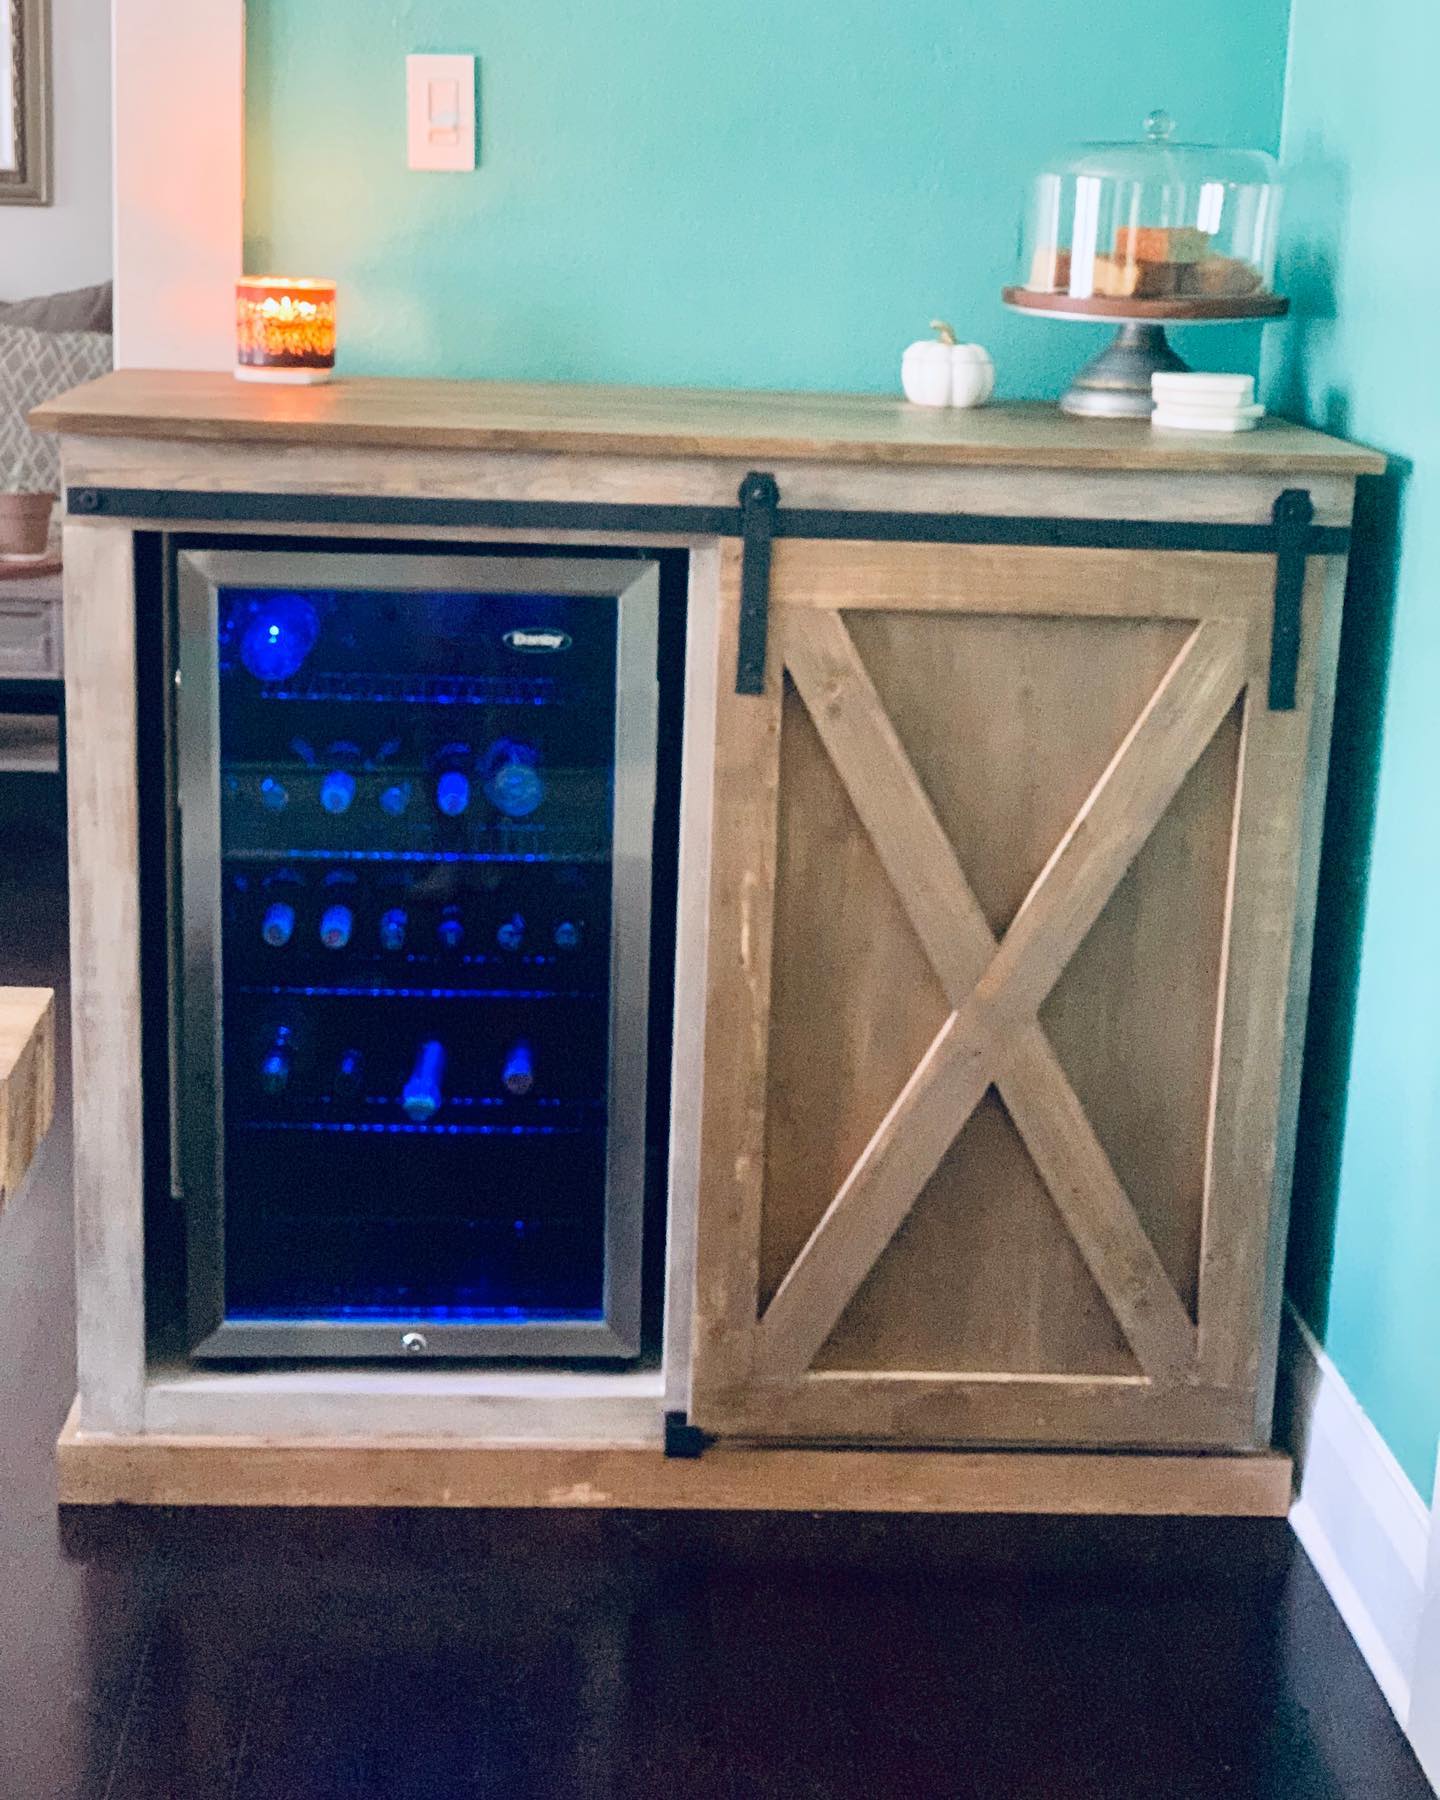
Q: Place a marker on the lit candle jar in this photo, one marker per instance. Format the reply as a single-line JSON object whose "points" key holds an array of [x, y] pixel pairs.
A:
{"points": [[284, 329]]}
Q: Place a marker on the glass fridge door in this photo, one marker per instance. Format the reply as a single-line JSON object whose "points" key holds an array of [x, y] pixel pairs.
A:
{"points": [[416, 801]]}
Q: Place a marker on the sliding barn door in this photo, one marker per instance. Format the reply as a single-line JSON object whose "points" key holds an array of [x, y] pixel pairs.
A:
{"points": [[1002, 915]]}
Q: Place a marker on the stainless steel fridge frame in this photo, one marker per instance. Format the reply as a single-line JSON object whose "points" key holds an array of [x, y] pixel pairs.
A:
{"points": [[199, 1095]]}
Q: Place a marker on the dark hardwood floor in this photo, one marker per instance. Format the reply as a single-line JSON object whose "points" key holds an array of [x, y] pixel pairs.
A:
{"points": [[312, 1656]]}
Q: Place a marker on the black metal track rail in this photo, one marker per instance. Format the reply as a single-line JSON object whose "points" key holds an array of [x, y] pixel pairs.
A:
{"points": [[758, 518]]}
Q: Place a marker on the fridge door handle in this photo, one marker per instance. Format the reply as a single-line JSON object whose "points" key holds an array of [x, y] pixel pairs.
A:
{"points": [[198, 1081]]}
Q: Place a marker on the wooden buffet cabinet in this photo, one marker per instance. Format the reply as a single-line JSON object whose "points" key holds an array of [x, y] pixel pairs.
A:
{"points": [[1004, 755]]}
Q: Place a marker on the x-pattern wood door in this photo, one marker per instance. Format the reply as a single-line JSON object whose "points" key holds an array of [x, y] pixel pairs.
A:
{"points": [[1007, 860]]}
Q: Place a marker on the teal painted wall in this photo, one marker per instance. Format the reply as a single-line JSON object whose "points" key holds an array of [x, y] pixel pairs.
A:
{"points": [[748, 194], [1361, 258], [777, 196]]}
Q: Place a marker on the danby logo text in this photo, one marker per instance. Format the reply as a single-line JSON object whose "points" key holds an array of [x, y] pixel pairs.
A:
{"points": [[537, 640]]}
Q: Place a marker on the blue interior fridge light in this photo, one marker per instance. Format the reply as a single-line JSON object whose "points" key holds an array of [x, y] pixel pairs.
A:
{"points": [[417, 985], [278, 633]]}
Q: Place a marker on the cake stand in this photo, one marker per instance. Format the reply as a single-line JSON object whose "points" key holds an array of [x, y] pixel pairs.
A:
{"points": [[1116, 383]]}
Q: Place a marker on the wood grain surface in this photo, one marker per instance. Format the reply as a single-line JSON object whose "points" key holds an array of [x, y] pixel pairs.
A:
{"points": [[258, 1471], [104, 831], [666, 422]]}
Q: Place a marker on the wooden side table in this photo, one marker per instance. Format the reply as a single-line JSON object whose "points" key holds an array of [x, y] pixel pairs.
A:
{"points": [[32, 675], [27, 1080]]}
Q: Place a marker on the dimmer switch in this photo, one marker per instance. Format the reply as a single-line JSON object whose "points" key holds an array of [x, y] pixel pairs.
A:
{"points": [[440, 110]]}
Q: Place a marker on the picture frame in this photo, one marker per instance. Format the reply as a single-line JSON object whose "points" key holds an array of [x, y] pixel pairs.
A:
{"points": [[25, 124]]}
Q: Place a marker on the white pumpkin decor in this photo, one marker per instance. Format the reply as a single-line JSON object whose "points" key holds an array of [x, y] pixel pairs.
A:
{"points": [[925, 369], [973, 374], [939, 372]]}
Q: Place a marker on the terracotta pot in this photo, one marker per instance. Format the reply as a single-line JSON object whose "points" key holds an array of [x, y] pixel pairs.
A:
{"points": [[25, 524]]}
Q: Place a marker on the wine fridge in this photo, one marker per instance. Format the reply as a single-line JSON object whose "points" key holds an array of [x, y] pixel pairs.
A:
{"points": [[415, 800]]}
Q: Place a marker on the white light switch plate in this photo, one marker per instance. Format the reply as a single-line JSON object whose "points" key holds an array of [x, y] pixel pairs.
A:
{"points": [[440, 111]]}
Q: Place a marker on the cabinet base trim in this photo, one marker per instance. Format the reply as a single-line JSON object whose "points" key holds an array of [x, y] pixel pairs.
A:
{"points": [[102, 1469]]}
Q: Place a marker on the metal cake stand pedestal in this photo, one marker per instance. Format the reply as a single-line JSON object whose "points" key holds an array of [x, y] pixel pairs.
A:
{"points": [[1116, 383]]}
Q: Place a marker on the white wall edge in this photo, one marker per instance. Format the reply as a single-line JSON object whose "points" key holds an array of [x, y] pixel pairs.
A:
{"points": [[178, 76], [1360, 1520]]}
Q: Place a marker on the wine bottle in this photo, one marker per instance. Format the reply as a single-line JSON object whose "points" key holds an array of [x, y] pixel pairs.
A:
{"points": [[421, 1094], [275, 1066], [511, 774], [451, 931], [279, 924], [518, 1076], [336, 924], [337, 790], [511, 934], [567, 935], [451, 768], [277, 632], [274, 795], [349, 1074], [392, 928], [452, 793]]}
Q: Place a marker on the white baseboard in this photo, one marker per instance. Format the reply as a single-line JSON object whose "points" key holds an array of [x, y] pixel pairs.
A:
{"points": [[1424, 1727], [1361, 1522]]}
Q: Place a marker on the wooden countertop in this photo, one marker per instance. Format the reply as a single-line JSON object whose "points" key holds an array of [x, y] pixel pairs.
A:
{"points": [[667, 422]]}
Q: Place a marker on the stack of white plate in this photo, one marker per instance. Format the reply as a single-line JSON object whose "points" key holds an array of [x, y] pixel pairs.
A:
{"points": [[1204, 402]]}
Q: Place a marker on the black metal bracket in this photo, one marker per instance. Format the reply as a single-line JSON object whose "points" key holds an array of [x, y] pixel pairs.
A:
{"points": [[683, 1440], [759, 502], [1293, 515]]}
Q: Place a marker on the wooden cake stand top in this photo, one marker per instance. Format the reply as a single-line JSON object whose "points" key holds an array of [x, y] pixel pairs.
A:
{"points": [[1210, 309]]}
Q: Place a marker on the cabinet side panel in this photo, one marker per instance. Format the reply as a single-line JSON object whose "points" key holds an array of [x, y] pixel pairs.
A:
{"points": [[105, 973], [1262, 1022], [1311, 822]]}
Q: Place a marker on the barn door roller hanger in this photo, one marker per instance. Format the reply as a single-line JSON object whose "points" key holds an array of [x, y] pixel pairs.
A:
{"points": [[1291, 538]]}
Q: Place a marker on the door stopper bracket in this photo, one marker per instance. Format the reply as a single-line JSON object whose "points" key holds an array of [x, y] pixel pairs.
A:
{"points": [[684, 1440]]}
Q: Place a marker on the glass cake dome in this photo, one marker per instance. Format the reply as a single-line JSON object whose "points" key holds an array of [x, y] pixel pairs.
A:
{"points": [[1145, 232]]}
